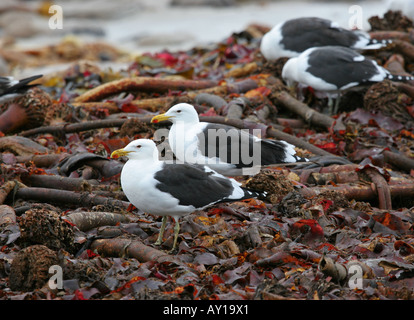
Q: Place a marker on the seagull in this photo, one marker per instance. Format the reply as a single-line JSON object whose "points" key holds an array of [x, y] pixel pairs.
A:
{"points": [[226, 149], [171, 188], [11, 88], [334, 69], [292, 37]]}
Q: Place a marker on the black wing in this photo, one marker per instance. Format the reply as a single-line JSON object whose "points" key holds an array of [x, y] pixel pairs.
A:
{"points": [[274, 152], [6, 86], [337, 65], [192, 185], [241, 148], [303, 33], [227, 143]]}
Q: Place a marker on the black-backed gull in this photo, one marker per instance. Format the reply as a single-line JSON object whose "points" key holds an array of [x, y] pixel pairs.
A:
{"points": [[225, 149], [173, 189], [11, 88], [333, 69], [292, 37]]}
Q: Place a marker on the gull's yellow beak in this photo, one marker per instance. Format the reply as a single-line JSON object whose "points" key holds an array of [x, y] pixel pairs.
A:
{"points": [[160, 117], [119, 153]]}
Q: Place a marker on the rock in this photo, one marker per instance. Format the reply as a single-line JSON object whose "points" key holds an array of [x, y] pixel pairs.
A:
{"points": [[30, 268], [7, 215], [392, 20], [385, 97], [276, 185], [42, 225], [9, 230]]}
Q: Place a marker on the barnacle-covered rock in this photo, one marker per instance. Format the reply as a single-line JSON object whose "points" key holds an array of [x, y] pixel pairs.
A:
{"points": [[42, 225], [132, 127], [26, 111], [30, 268], [276, 185], [392, 20], [385, 97]]}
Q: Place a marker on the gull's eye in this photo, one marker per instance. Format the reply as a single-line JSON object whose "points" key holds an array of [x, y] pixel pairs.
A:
{"points": [[139, 146], [178, 111]]}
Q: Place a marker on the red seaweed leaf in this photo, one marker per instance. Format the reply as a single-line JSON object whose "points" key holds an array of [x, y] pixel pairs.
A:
{"points": [[309, 230], [392, 221], [209, 113], [404, 248], [329, 146], [326, 204], [78, 295], [128, 284], [167, 58]]}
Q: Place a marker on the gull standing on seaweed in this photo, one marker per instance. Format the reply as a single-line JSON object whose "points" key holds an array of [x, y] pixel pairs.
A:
{"points": [[292, 37], [173, 189], [334, 69], [225, 149]]}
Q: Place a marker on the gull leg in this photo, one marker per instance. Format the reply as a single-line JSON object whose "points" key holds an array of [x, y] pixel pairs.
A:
{"points": [[176, 230], [333, 108], [336, 108], [160, 235], [330, 105]]}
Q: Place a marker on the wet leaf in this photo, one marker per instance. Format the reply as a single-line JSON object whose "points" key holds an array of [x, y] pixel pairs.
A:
{"points": [[206, 258], [308, 230]]}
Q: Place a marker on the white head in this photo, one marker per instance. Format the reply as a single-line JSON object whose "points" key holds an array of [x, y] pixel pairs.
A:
{"points": [[272, 47], [141, 149], [180, 112], [270, 44], [290, 71]]}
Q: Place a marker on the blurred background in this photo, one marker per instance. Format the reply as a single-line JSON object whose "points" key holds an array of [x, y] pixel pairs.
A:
{"points": [[138, 26]]}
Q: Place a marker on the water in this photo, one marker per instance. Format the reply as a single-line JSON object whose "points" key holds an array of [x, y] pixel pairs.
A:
{"points": [[138, 26]]}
